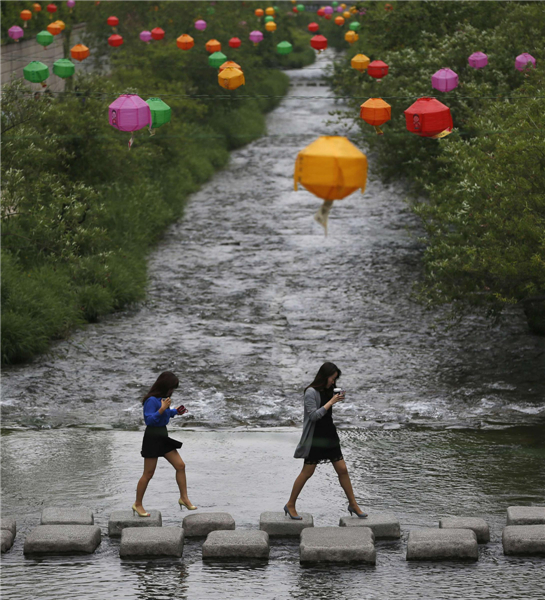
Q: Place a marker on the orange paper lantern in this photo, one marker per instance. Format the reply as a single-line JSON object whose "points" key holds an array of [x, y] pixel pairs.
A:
{"points": [[376, 112], [185, 42], [37, 7], [230, 64], [54, 28], [339, 21], [26, 15], [259, 12], [80, 52], [213, 46]]}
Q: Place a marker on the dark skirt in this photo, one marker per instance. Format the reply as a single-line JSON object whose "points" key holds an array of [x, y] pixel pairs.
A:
{"points": [[157, 443]]}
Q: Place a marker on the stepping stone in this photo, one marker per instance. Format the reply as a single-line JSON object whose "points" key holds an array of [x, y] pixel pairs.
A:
{"points": [[337, 544], [524, 540], [120, 519], [63, 539], [277, 524], [241, 543], [479, 526], [442, 544], [526, 515], [6, 540], [202, 524], [10, 524], [385, 526], [152, 541], [78, 515]]}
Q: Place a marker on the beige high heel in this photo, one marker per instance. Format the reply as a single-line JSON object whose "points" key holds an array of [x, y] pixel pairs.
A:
{"points": [[140, 514], [188, 506]]}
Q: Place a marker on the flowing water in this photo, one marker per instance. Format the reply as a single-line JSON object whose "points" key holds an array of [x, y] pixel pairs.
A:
{"points": [[247, 298]]}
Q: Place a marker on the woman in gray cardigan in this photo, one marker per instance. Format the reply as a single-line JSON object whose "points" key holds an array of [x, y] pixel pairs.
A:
{"points": [[320, 442]]}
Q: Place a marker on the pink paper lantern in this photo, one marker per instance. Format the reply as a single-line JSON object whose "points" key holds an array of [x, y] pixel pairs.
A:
{"points": [[16, 32], [129, 113], [478, 60], [340, 9], [328, 10], [256, 37], [444, 80], [525, 61], [145, 36], [71, 3], [200, 25]]}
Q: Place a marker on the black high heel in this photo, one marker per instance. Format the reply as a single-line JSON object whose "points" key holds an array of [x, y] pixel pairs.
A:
{"points": [[290, 515], [361, 515]]}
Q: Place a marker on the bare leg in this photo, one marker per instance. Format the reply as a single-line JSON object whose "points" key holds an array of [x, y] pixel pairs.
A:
{"points": [[346, 484], [149, 470], [305, 474], [176, 461]]}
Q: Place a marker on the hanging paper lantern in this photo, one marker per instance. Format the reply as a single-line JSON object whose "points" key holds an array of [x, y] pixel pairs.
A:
{"points": [[428, 117], [51, 8], [26, 15], [37, 7], [230, 64], [157, 33], [377, 69], [145, 36], [346, 14], [112, 21], [271, 27], [234, 42], [217, 59], [320, 12], [330, 168], [444, 80], [388, 7], [318, 42], [71, 4], [129, 113], [270, 11], [300, 8], [313, 27], [61, 24], [64, 68], [334, 4], [339, 21], [160, 112], [284, 48], [354, 26], [185, 42], [16, 32], [200, 25], [343, 5], [44, 38], [213, 46], [360, 62], [478, 60], [294, 9], [53, 29], [328, 10], [256, 37], [36, 72], [268, 19], [259, 12], [339, 9], [210, 10], [327, 17], [376, 112], [115, 40], [80, 52], [525, 61], [231, 78], [351, 37]]}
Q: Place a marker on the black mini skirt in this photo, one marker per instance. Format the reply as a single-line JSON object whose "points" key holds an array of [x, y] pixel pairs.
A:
{"points": [[157, 443]]}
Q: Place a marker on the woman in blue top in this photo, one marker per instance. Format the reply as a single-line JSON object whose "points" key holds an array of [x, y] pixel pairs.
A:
{"points": [[156, 443]]}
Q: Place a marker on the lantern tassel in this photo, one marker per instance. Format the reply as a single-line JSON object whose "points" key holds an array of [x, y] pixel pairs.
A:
{"points": [[442, 134], [131, 140], [322, 214], [378, 130]]}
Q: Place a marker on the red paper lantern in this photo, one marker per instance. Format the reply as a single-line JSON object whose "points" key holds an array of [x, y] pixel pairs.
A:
{"points": [[51, 8], [313, 27], [157, 33], [112, 21], [234, 43], [428, 117], [321, 12], [319, 42], [377, 69], [294, 9], [327, 16], [115, 40]]}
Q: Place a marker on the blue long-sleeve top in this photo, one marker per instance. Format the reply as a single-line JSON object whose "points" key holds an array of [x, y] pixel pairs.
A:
{"points": [[153, 417]]}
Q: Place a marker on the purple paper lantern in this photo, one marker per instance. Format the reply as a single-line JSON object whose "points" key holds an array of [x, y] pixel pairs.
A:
{"points": [[328, 10], [256, 37], [478, 60], [444, 80], [71, 3], [200, 25], [340, 9], [525, 61], [15, 32], [129, 113], [145, 36]]}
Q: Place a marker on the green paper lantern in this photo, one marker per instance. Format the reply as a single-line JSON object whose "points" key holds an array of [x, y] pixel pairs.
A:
{"points": [[268, 19], [160, 112], [217, 59], [36, 72], [334, 4], [300, 8], [284, 48], [354, 26], [64, 68], [44, 38], [275, 9], [211, 10]]}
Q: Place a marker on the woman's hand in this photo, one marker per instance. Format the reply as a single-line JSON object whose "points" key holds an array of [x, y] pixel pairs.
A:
{"points": [[336, 398], [181, 409], [165, 403]]}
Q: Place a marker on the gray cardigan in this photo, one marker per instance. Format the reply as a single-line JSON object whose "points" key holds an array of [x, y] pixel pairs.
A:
{"points": [[313, 412]]}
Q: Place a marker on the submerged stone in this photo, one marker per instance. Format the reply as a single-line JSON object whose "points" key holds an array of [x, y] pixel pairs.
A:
{"points": [[277, 524], [442, 544], [63, 539], [120, 519], [239, 543], [337, 544], [152, 541]]}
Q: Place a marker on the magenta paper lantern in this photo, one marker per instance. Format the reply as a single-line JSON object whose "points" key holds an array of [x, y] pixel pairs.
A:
{"points": [[444, 80], [525, 61], [16, 32], [340, 9], [129, 113], [328, 10], [71, 3], [200, 25], [145, 36], [256, 37], [478, 60]]}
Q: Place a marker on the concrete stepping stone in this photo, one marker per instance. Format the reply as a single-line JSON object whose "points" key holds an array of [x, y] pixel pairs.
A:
{"points": [[9, 524], [526, 540], [63, 539], [6, 540], [337, 544], [202, 524], [77, 515], [479, 526], [277, 524], [442, 544], [239, 543], [526, 515], [152, 541], [385, 526], [120, 519]]}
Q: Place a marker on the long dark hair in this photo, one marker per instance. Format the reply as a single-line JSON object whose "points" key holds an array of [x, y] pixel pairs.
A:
{"points": [[324, 373], [166, 383]]}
